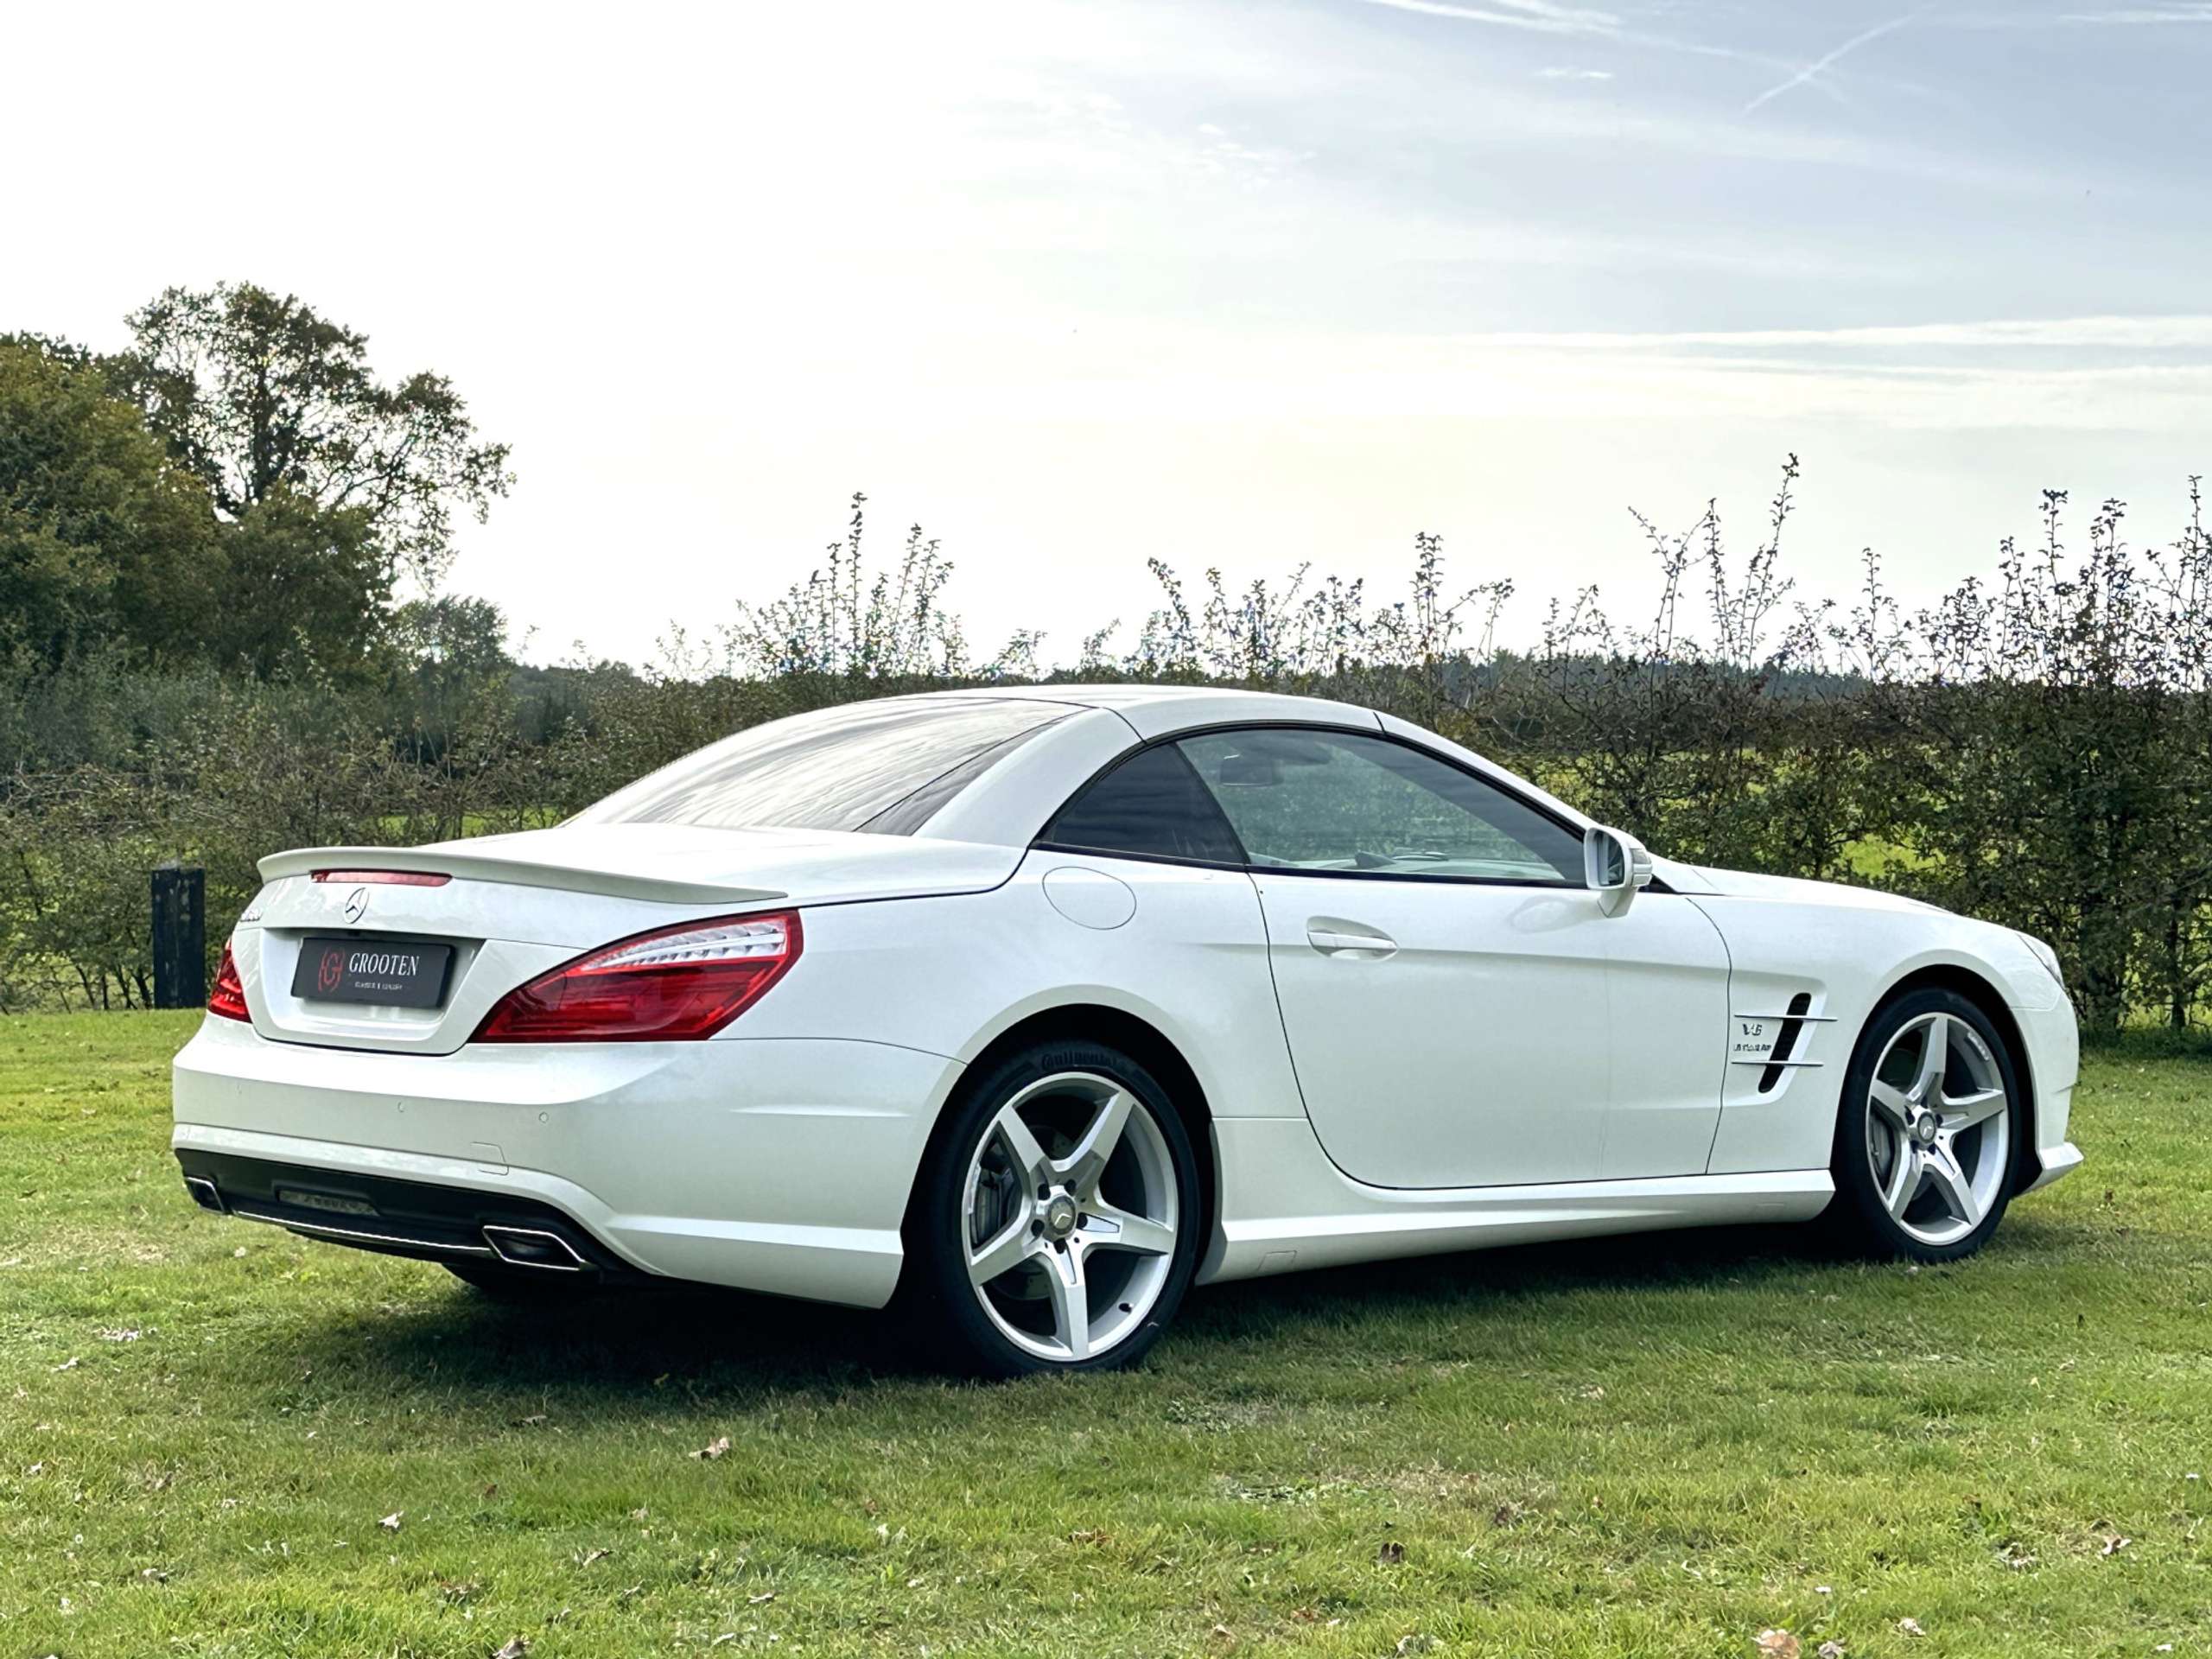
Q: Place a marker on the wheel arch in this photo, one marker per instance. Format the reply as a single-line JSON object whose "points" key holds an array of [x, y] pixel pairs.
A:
{"points": [[1983, 993], [1139, 1039]]}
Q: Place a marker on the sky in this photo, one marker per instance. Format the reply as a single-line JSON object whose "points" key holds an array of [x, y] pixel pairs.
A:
{"points": [[1074, 285]]}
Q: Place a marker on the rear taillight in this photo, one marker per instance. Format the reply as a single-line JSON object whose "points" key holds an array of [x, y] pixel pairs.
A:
{"points": [[228, 998], [673, 986]]}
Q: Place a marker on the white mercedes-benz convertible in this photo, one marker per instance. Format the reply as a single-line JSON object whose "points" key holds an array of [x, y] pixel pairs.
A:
{"points": [[1037, 1006]]}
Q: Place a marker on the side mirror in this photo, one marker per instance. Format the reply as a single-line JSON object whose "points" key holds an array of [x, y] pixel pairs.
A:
{"points": [[1615, 867]]}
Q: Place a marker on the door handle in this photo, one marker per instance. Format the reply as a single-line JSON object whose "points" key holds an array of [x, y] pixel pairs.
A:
{"points": [[1335, 938]]}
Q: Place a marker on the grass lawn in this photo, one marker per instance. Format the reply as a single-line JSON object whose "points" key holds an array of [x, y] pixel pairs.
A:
{"points": [[1662, 1445]]}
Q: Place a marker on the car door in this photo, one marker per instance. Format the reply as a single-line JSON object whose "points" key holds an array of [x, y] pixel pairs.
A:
{"points": [[1446, 979], [1439, 966]]}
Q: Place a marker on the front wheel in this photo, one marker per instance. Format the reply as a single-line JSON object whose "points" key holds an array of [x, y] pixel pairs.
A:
{"points": [[1055, 1227], [1924, 1141]]}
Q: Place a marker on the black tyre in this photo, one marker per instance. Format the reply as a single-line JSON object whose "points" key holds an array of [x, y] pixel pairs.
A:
{"points": [[1931, 1114], [1055, 1222]]}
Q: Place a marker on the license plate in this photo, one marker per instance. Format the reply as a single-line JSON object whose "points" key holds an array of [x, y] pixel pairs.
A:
{"points": [[396, 973]]}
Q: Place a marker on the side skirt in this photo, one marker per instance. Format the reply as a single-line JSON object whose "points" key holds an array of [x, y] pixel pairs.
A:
{"points": [[1282, 1213]]}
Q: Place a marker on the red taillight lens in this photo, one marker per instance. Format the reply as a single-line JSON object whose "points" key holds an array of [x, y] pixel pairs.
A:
{"points": [[673, 986], [228, 998]]}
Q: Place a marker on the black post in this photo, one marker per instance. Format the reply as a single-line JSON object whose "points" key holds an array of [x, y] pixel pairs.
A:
{"points": [[180, 937]]}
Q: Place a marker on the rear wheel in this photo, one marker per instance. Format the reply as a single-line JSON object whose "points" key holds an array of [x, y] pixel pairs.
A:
{"points": [[1924, 1141], [1055, 1226]]}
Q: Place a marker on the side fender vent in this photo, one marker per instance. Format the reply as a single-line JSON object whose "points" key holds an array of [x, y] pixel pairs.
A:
{"points": [[1785, 1042]]}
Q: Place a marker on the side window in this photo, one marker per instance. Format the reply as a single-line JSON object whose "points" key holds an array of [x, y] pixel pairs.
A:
{"points": [[1337, 802], [1150, 806]]}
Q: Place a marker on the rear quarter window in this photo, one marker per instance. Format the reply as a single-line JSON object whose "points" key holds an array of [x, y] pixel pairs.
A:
{"points": [[1151, 806]]}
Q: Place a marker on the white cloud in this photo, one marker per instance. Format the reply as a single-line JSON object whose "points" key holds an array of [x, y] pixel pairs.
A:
{"points": [[1516, 13], [2159, 333], [1603, 25], [2125, 15], [1560, 72]]}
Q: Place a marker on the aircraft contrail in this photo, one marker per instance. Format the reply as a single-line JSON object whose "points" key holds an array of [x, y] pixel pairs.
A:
{"points": [[1811, 71]]}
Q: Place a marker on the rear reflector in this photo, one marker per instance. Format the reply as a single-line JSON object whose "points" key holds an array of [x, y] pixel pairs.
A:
{"points": [[228, 998], [382, 878], [676, 985]]}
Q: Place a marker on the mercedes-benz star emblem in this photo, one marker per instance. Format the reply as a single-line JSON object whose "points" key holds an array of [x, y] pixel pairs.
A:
{"points": [[357, 903]]}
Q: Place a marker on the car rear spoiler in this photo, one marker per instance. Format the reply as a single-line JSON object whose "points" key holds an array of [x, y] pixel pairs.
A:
{"points": [[523, 872]]}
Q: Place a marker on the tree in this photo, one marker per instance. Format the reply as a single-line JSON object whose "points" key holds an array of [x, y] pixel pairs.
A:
{"points": [[304, 588], [450, 675], [258, 396], [101, 535]]}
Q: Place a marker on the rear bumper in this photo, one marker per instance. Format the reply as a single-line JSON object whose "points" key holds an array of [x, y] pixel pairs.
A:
{"points": [[781, 1166], [411, 1218]]}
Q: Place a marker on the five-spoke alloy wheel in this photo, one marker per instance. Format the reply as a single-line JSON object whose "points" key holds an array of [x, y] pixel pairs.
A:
{"points": [[1056, 1226], [1924, 1141]]}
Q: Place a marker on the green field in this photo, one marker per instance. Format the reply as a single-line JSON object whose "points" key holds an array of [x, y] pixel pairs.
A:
{"points": [[1665, 1446]]}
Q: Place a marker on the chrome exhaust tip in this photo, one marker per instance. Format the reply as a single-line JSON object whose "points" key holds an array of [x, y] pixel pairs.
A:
{"points": [[532, 1247], [204, 1194]]}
